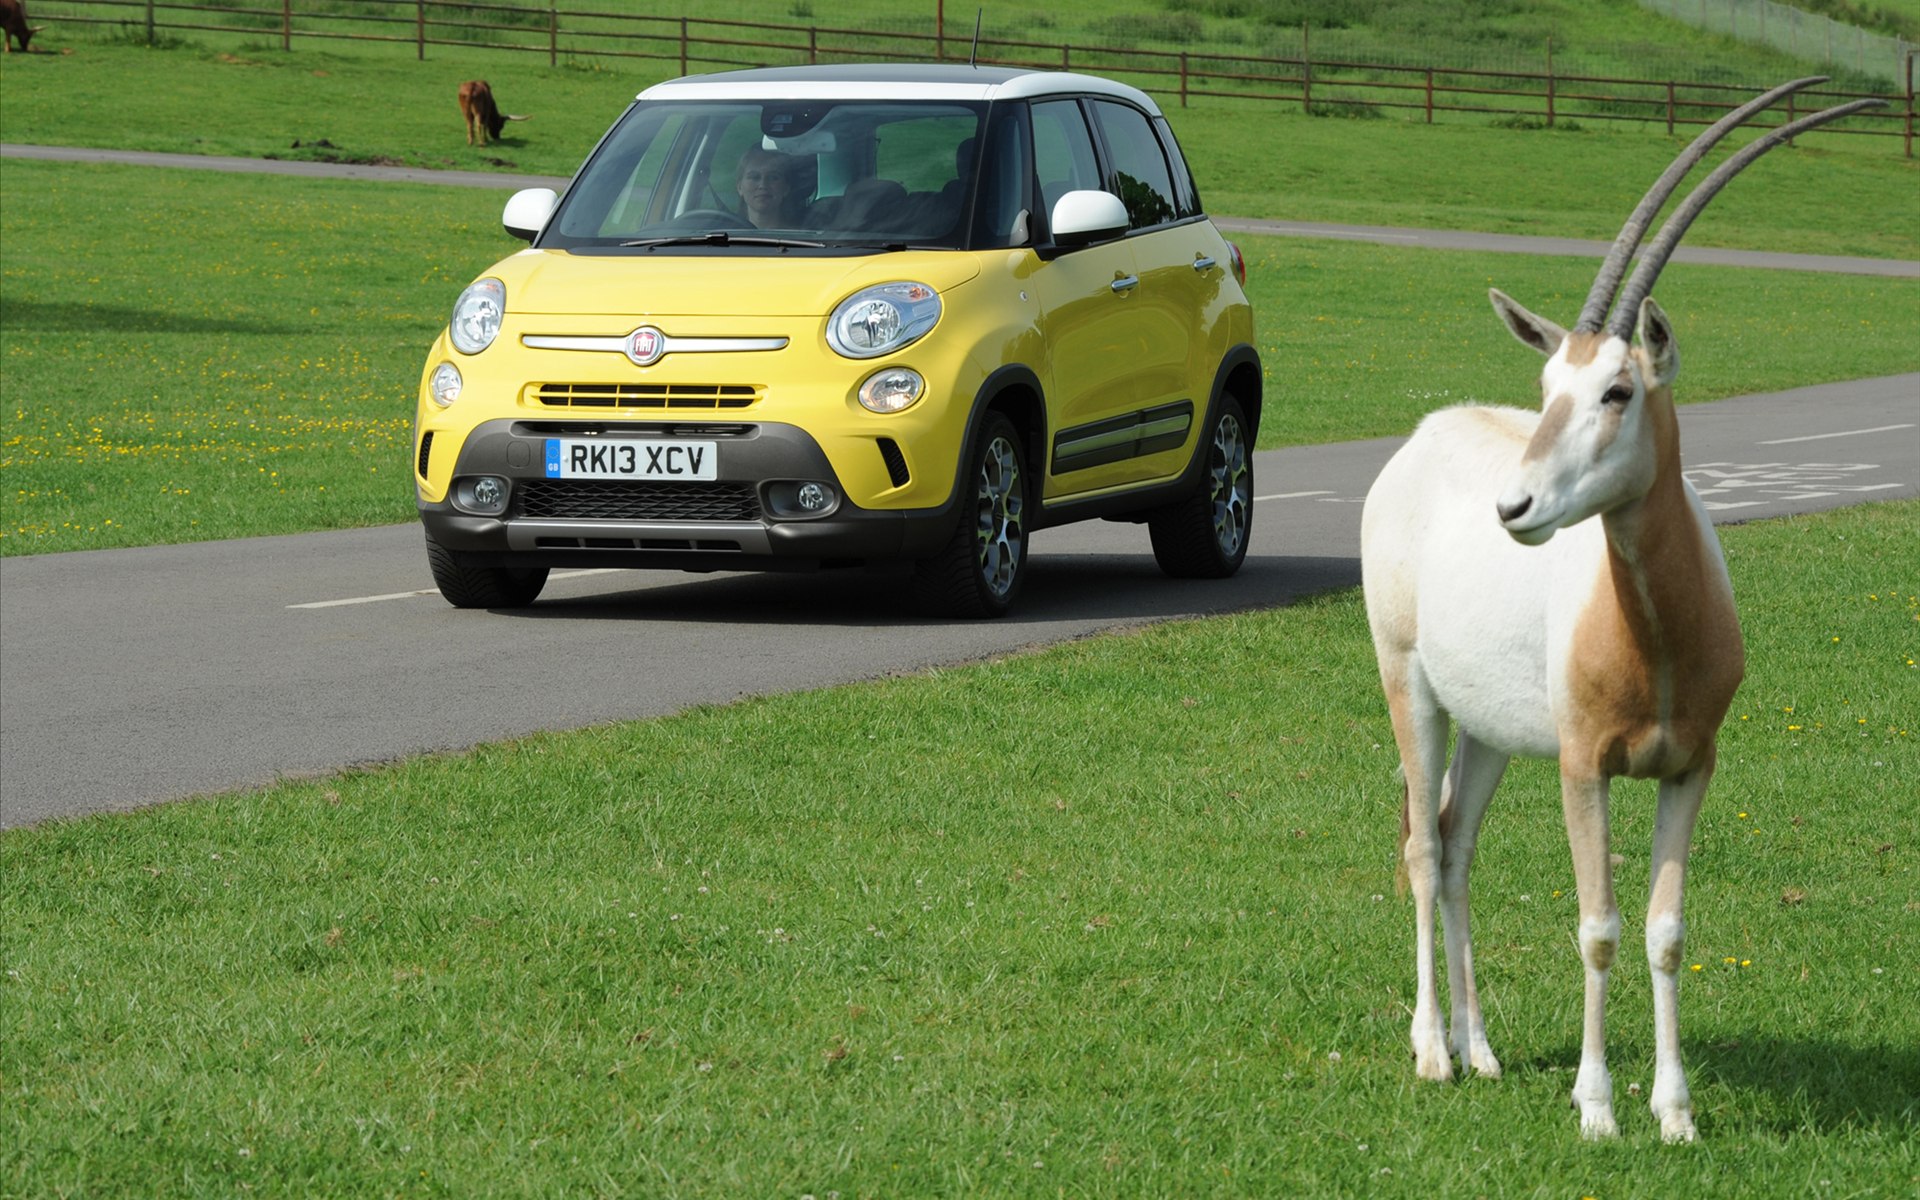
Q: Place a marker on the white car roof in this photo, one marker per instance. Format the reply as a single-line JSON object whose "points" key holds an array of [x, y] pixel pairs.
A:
{"points": [[892, 81]]}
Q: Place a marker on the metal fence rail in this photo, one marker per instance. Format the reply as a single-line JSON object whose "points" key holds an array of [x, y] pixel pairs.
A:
{"points": [[697, 44]]}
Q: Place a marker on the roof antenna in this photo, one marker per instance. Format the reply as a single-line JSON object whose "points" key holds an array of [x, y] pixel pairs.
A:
{"points": [[974, 52]]}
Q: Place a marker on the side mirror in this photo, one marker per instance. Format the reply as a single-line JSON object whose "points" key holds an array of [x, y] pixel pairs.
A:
{"points": [[527, 212], [1083, 217]]}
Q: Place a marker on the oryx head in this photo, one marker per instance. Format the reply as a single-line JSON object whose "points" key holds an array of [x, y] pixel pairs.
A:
{"points": [[1607, 413]]}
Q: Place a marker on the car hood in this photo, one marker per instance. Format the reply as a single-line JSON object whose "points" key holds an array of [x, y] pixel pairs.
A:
{"points": [[556, 282]]}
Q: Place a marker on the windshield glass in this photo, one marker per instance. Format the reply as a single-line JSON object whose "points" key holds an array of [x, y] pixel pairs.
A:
{"points": [[759, 173]]}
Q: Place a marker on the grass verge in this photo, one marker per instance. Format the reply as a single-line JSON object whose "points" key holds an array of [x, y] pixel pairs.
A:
{"points": [[1087, 920]]}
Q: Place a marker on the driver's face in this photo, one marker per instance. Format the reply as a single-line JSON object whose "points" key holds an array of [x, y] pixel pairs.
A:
{"points": [[763, 186]]}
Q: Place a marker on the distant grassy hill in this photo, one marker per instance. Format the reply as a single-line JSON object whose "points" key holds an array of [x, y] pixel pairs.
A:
{"points": [[1588, 37], [1895, 18]]}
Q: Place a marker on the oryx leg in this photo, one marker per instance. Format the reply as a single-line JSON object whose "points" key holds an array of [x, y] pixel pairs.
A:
{"points": [[1584, 800], [1680, 799], [1471, 781], [1420, 730]]}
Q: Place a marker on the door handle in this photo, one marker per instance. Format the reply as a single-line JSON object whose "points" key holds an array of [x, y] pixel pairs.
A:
{"points": [[1203, 264], [1125, 283]]}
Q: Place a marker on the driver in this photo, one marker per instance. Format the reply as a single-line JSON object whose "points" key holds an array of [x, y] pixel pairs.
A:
{"points": [[766, 188]]}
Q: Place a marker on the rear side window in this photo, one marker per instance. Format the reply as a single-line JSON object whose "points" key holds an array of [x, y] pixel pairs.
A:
{"points": [[1185, 195], [1140, 175]]}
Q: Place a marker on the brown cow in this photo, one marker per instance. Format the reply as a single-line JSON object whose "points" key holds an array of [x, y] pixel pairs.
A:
{"points": [[483, 116], [13, 19]]}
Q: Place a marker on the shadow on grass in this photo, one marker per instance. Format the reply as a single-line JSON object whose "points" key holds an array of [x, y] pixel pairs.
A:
{"points": [[1781, 1085], [1060, 589], [32, 316], [1815, 1084]]}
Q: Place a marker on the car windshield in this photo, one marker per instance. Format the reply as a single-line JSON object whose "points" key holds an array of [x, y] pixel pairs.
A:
{"points": [[753, 175]]}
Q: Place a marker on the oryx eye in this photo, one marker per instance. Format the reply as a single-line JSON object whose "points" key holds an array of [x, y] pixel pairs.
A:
{"points": [[1617, 395]]}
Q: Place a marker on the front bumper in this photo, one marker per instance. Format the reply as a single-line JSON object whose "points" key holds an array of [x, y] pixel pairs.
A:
{"points": [[739, 521]]}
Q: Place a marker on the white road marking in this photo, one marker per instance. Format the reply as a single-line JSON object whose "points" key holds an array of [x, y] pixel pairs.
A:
{"points": [[1292, 495], [1815, 437], [366, 599], [1778, 482], [436, 591]]}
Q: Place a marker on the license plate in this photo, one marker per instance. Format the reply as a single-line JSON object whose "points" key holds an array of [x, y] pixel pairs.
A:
{"points": [[626, 458]]}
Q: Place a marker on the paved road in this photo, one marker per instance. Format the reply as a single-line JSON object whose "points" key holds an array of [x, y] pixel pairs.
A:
{"points": [[1432, 239], [129, 677]]}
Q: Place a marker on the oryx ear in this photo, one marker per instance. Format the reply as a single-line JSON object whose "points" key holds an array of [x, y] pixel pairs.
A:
{"points": [[1656, 340], [1543, 335]]}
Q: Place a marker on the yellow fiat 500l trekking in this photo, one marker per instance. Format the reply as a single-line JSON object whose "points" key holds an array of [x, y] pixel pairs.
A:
{"points": [[847, 316]]}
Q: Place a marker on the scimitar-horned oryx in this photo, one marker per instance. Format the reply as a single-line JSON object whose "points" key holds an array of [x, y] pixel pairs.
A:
{"points": [[1550, 582]]}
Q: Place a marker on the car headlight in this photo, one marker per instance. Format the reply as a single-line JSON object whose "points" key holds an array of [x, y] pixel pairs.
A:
{"points": [[879, 320], [476, 316]]}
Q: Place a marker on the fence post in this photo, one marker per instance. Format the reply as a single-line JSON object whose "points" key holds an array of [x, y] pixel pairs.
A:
{"points": [[553, 33], [1669, 108], [1306, 71], [420, 29], [1550, 113], [683, 45], [1429, 95], [813, 44], [1183, 79], [149, 22], [1910, 56], [286, 24]]}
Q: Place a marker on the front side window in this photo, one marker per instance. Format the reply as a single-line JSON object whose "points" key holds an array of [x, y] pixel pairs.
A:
{"points": [[1063, 155], [1140, 176], [816, 173]]}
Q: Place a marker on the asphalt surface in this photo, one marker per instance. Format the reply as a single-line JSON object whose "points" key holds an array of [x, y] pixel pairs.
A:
{"points": [[131, 677]]}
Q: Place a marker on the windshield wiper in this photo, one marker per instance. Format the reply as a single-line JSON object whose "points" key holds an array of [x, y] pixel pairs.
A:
{"points": [[720, 237], [889, 247]]}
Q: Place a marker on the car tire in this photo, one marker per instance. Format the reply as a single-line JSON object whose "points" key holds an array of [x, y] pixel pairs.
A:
{"points": [[467, 586], [1205, 536], [979, 572]]}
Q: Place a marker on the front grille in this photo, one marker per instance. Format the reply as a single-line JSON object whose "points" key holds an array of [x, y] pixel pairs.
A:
{"points": [[426, 451], [643, 395], [621, 500]]}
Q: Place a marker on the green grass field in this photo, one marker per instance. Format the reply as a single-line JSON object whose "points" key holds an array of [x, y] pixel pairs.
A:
{"points": [[1098, 920]]}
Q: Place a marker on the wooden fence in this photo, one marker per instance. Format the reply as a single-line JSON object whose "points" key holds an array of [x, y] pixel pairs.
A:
{"points": [[698, 44]]}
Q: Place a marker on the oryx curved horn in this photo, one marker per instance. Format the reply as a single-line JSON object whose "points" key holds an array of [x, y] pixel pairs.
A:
{"points": [[1661, 248], [1594, 313]]}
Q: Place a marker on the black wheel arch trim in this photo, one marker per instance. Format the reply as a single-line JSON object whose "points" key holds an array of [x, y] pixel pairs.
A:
{"points": [[1000, 382]]}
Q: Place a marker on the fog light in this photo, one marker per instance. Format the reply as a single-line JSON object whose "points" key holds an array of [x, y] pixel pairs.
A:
{"points": [[483, 495], [892, 389], [446, 384], [805, 498]]}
